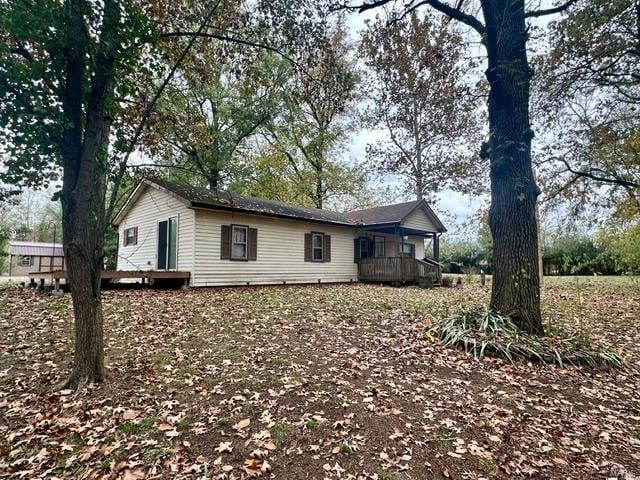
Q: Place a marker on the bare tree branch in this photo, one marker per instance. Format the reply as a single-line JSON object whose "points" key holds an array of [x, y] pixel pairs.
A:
{"points": [[122, 166], [550, 11]]}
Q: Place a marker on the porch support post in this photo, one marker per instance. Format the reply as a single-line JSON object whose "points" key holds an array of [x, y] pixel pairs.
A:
{"points": [[436, 247]]}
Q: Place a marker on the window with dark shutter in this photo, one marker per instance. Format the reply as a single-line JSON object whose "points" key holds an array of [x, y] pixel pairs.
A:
{"points": [[317, 247], [238, 242], [252, 253], [356, 249], [307, 247], [225, 242], [327, 248]]}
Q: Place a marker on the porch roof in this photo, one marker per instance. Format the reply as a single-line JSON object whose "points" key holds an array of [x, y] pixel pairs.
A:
{"points": [[394, 229]]}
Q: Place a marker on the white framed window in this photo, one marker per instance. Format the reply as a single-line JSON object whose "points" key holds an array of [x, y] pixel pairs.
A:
{"points": [[317, 247], [379, 244], [25, 261], [130, 236], [239, 238]]}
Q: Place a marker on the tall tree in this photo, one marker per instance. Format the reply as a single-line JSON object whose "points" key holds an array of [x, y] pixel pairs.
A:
{"points": [[512, 215], [313, 127], [209, 113], [62, 65], [70, 73], [589, 90], [275, 173], [417, 94]]}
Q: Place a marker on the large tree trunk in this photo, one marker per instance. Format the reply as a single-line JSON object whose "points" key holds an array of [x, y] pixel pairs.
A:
{"points": [[84, 152], [213, 179], [83, 253], [512, 215]]}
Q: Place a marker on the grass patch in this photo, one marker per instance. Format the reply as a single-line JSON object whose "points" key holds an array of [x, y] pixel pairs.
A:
{"points": [[136, 428], [185, 423], [482, 332], [155, 454], [442, 440], [311, 424], [224, 422], [280, 432], [186, 371], [161, 358]]}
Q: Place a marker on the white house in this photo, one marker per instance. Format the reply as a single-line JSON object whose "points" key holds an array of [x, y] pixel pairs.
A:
{"points": [[224, 239]]}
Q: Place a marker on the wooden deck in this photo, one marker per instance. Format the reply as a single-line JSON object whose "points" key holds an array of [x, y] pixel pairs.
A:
{"points": [[143, 275], [397, 269]]}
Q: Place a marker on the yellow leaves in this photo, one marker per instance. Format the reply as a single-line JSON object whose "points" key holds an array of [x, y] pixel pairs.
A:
{"points": [[136, 474]]}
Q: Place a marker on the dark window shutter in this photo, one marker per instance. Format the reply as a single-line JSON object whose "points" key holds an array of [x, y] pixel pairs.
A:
{"points": [[327, 248], [252, 249], [135, 236], [307, 247], [124, 237], [356, 249], [225, 242]]}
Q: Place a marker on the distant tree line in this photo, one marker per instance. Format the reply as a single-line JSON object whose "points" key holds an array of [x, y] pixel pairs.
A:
{"points": [[609, 251]]}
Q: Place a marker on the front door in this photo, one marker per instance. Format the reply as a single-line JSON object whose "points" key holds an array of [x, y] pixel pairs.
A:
{"points": [[167, 244]]}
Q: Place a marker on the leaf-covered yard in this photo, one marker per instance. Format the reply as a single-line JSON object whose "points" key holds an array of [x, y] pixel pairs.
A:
{"points": [[313, 382]]}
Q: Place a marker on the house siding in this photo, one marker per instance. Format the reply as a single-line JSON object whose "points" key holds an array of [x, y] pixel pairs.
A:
{"points": [[153, 206], [39, 263], [280, 252], [419, 220]]}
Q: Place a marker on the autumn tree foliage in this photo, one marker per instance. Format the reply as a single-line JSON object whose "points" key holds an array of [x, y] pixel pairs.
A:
{"points": [[418, 96], [78, 82], [589, 93], [221, 99], [312, 129]]}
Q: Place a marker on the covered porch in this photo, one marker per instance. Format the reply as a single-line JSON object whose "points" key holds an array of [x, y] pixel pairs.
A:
{"points": [[398, 254]]}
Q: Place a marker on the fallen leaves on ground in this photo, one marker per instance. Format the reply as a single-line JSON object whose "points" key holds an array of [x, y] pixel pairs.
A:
{"points": [[317, 382]]}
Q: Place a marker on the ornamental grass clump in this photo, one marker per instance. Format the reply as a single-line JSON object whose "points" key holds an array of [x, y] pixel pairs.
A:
{"points": [[482, 332]]}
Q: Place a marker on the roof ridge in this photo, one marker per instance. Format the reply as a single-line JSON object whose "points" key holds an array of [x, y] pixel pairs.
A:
{"points": [[246, 197], [386, 206]]}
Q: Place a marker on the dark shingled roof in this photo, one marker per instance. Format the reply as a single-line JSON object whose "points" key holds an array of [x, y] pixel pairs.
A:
{"points": [[202, 197], [386, 214], [218, 200]]}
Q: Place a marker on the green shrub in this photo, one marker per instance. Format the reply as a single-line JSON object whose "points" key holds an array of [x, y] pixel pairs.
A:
{"points": [[482, 332]]}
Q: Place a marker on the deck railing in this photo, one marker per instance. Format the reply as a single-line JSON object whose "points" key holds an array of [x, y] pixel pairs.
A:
{"points": [[397, 269]]}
